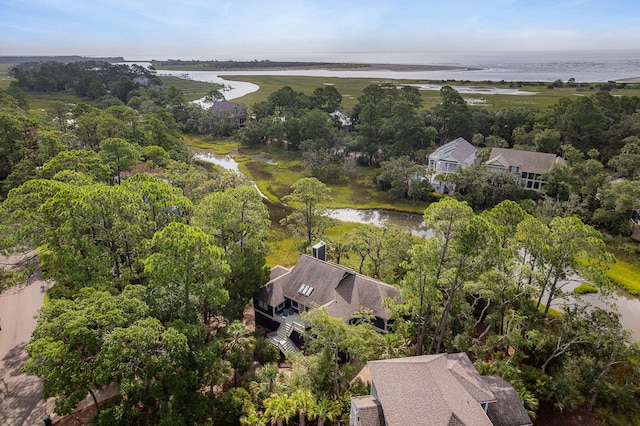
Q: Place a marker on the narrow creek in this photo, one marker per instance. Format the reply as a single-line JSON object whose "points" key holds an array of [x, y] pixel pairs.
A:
{"points": [[627, 305]]}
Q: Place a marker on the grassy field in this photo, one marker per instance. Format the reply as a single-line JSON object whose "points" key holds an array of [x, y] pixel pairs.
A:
{"points": [[5, 80], [351, 88]]}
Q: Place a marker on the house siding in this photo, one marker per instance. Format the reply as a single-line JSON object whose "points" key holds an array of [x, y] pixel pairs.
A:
{"points": [[265, 321]]}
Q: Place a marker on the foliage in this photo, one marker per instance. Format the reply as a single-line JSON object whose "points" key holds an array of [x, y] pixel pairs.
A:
{"points": [[452, 117], [483, 188], [403, 178], [626, 275], [238, 220], [186, 269], [329, 338], [585, 288], [310, 219], [88, 78], [71, 333]]}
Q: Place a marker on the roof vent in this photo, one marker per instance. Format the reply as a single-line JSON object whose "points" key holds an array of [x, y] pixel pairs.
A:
{"points": [[305, 290]]}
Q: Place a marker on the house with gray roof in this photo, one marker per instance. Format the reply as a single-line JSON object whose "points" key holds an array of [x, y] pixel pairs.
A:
{"points": [[233, 113], [314, 282], [527, 165], [441, 389], [447, 159]]}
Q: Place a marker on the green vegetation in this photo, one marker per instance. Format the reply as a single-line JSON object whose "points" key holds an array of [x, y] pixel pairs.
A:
{"points": [[155, 257], [626, 275], [192, 89], [585, 288], [351, 89]]}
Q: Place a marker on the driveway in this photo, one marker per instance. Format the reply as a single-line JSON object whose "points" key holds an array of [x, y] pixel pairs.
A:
{"points": [[20, 394]]}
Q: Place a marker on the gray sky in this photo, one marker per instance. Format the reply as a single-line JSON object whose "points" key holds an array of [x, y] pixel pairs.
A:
{"points": [[311, 29]]}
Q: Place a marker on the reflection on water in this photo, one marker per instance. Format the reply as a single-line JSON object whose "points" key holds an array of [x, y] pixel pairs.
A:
{"points": [[412, 222], [225, 161], [627, 305]]}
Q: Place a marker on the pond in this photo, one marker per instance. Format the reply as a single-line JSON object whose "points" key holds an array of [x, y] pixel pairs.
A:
{"points": [[627, 305], [225, 161], [378, 217]]}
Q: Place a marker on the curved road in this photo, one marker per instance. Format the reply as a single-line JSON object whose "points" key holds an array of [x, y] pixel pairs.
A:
{"points": [[20, 394]]}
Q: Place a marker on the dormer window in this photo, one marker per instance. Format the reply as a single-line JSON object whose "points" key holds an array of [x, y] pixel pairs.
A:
{"points": [[305, 290]]}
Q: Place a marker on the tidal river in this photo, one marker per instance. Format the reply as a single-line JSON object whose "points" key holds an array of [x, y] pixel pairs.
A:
{"points": [[627, 305]]}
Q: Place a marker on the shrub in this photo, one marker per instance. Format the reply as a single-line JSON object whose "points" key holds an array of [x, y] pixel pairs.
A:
{"points": [[585, 288]]}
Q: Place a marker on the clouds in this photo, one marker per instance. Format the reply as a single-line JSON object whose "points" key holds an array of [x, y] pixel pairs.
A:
{"points": [[255, 29]]}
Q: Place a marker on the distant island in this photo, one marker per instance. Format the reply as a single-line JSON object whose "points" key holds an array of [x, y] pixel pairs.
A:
{"points": [[65, 59], [215, 65]]}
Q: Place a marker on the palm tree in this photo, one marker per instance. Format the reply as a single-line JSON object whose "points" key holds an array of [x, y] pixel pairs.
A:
{"points": [[303, 402], [279, 408], [252, 418], [394, 346], [266, 380], [325, 409], [238, 345]]}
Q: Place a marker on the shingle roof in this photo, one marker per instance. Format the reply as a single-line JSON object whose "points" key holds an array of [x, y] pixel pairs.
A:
{"points": [[341, 290], [529, 161], [441, 389], [236, 108], [458, 149], [508, 409], [369, 410]]}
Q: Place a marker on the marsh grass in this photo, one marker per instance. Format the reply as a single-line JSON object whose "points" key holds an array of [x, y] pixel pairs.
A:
{"points": [[192, 89], [585, 288], [351, 89], [626, 275]]}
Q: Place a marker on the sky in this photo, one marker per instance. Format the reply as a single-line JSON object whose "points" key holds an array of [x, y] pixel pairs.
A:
{"points": [[310, 29]]}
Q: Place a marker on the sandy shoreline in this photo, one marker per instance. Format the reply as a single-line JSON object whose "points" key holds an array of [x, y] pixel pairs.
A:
{"points": [[332, 67], [629, 80]]}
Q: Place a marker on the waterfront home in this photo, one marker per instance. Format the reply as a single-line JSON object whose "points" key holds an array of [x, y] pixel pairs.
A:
{"points": [[233, 113], [527, 165], [447, 159]]}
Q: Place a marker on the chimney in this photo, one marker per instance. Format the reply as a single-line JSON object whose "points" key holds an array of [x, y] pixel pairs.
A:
{"points": [[319, 251]]}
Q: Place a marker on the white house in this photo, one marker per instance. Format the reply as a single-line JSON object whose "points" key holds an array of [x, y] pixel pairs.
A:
{"points": [[447, 159]]}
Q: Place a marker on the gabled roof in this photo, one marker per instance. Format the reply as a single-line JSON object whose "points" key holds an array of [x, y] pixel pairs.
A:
{"points": [[457, 150], [340, 290], [528, 161], [235, 108], [508, 409], [442, 389]]}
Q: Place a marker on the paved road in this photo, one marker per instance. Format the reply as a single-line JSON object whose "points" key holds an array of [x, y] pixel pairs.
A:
{"points": [[20, 394]]}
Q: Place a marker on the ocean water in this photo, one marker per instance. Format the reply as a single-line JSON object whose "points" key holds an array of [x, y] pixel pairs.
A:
{"points": [[583, 66]]}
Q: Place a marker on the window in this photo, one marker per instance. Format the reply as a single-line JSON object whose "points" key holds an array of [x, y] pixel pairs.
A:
{"points": [[305, 290], [262, 305]]}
